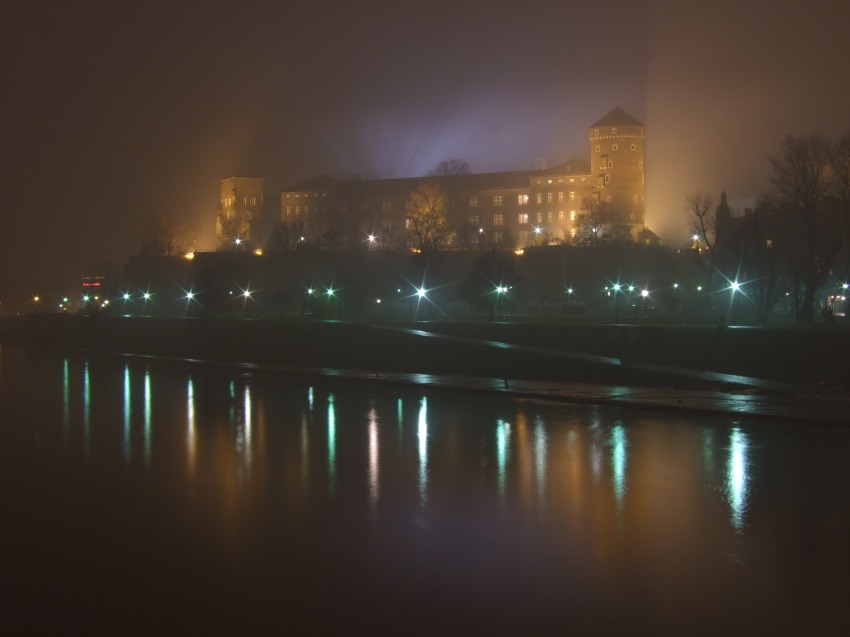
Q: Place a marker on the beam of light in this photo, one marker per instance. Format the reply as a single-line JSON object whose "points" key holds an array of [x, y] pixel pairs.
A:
{"points": [[128, 410], [247, 423], [148, 418], [503, 450], [540, 460], [619, 462], [331, 445], [374, 469], [86, 407], [737, 478], [191, 441], [66, 400], [310, 398], [422, 433]]}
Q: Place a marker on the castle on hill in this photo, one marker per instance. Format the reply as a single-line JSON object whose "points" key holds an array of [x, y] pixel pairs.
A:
{"points": [[508, 210]]}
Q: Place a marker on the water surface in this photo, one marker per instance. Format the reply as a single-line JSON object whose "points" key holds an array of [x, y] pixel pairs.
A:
{"points": [[151, 497]]}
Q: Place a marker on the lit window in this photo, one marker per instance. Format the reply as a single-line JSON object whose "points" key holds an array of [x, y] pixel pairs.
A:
{"points": [[522, 200], [539, 197], [572, 180], [497, 220], [497, 200], [769, 243], [522, 217], [583, 179], [560, 197], [572, 197], [473, 202], [572, 215], [550, 216], [297, 210], [539, 217], [287, 195], [407, 224], [560, 215], [548, 197], [289, 211]]}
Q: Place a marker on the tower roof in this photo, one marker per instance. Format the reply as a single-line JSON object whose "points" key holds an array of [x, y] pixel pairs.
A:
{"points": [[617, 117]]}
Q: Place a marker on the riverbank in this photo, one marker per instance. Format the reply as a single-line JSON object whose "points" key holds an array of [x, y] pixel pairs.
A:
{"points": [[637, 356]]}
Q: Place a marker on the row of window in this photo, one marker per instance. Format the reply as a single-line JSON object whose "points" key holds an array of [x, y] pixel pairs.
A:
{"points": [[571, 180], [298, 195], [616, 147], [226, 202]]}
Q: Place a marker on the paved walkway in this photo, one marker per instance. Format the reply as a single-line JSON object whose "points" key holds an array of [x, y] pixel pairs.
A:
{"points": [[785, 401]]}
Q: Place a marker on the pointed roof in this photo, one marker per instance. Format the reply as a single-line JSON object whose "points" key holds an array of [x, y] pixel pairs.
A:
{"points": [[617, 117]]}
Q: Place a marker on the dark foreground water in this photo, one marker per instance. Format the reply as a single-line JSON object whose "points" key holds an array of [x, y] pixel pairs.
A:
{"points": [[140, 496]]}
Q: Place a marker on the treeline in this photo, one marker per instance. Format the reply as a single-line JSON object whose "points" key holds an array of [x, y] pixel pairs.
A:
{"points": [[795, 244]]}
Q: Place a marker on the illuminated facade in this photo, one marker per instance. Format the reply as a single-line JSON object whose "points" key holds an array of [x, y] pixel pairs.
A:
{"points": [[240, 210], [506, 209]]}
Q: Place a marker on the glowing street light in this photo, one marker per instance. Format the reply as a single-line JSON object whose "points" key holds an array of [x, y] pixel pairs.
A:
{"points": [[421, 292], [644, 293], [126, 296], [735, 286]]}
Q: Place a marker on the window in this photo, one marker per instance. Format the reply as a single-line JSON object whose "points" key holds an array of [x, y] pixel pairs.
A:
{"points": [[522, 200], [498, 237], [560, 197], [550, 216], [613, 131], [608, 199], [560, 215], [306, 209], [634, 198], [572, 215], [607, 179], [523, 237], [473, 220], [572, 180], [539, 181], [497, 220], [386, 206], [768, 244], [297, 195], [473, 201], [407, 224], [614, 147], [596, 132], [497, 200], [633, 146], [548, 197], [539, 217], [640, 164], [597, 149], [387, 224], [610, 164], [522, 217], [583, 179], [539, 197], [287, 195], [289, 211], [572, 197]]}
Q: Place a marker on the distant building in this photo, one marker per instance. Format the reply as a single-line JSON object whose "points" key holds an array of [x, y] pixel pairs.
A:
{"points": [[240, 211], [505, 209]]}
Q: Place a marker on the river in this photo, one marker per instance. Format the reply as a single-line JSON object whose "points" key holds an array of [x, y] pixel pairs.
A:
{"points": [[150, 497]]}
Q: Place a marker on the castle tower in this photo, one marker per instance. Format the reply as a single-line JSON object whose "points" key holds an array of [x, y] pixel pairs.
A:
{"points": [[617, 159], [240, 210]]}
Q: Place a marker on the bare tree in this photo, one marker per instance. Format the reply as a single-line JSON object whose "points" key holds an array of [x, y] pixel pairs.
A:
{"points": [[839, 162], [701, 219], [450, 168], [800, 182], [166, 235], [592, 223], [428, 227]]}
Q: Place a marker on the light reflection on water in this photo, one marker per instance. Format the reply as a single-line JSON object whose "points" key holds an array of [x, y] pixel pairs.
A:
{"points": [[545, 491]]}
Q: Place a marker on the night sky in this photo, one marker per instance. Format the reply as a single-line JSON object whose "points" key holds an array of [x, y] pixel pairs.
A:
{"points": [[117, 111]]}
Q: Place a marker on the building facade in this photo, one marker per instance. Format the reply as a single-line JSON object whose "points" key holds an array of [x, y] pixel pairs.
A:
{"points": [[504, 210]]}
